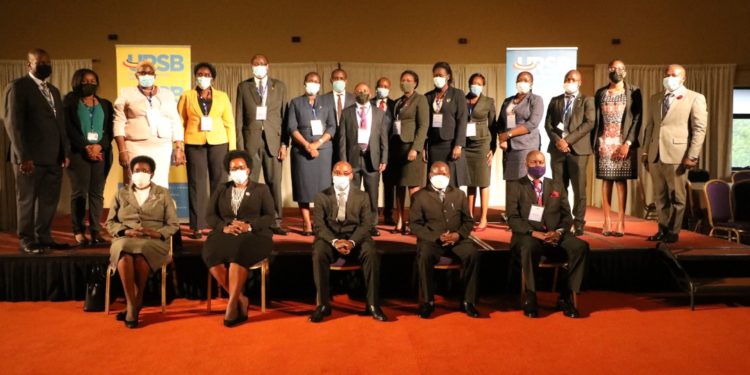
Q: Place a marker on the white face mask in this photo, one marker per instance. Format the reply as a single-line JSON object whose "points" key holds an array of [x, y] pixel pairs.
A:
{"points": [[141, 180], [340, 182], [339, 86], [239, 177], [146, 81], [203, 82], [523, 87], [439, 82], [439, 182], [312, 88], [260, 71], [383, 92], [672, 83], [476, 89], [571, 87]]}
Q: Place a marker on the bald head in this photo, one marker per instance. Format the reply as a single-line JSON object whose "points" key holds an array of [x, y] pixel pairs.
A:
{"points": [[535, 158], [440, 168], [259, 60], [38, 63], [675, 70], [343, 168]]}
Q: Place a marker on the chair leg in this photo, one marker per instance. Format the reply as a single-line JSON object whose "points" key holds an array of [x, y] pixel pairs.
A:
{"points": [[106, 291], [208, 294], [164, 289], [554, 280], [263, 288]]}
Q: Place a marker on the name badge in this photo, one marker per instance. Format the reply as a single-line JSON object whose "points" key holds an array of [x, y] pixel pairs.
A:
{"points": [[536, 213], [260, 113], [362, 137], [561, 127], [155, 120], [207, 123], [437, 120], [471, 129], [397, 127], [511, 121], [317, 127], [92, 136]]}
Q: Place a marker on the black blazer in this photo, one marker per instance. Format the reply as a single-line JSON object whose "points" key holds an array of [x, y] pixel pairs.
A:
{"points": [[454, 117], [631, 121], [356, 226], [521, 196], [78, 141], [430, 218], [349, 149], [390, 104], [256, 208], [581, 123], [36, 132]]}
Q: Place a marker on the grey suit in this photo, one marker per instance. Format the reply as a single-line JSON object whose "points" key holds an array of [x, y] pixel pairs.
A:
{"points": [[528, 113], [390, 179], [452, 133], [364, 163], [37, 133], [263, 138], [572, 166], [329, 100]]}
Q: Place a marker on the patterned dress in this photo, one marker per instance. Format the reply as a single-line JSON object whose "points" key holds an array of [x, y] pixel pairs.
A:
{"points": [[610, 138]]}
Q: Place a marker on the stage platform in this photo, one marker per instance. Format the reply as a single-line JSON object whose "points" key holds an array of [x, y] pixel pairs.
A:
{"points": [[624, 264]]}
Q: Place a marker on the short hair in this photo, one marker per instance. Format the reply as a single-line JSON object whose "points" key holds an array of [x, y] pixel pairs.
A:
{"points": [[447, 67], [75, 82], [614, 61], [206, 65], [145, 63], [475, 75], [346, 76], [234, 154], [143, 159], [413, 74], [381, 79], [36, 52], [312, 74]]}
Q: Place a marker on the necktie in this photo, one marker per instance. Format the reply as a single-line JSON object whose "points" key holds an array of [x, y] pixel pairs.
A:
{"points": [[568, 111], [338, 107], [341, 215], [538, 191], [261, 89], [441, 193], [382, 105], [363, 125], [48, 95], [666, 104]]}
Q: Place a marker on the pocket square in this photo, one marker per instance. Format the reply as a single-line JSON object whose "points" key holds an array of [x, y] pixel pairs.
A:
{"points": [[554, 194]]}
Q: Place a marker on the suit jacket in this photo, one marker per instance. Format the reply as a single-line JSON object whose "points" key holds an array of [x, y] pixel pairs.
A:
{"points": [[679, 134], [158, 212], [529, 112], [78, 140], [580, 126], [483, 114], [414, 115], [356, 226], [256, 208], [299, 114], [36, 132], [329, 100], [222, 129], [429, 218], [454, 113], [389, 105], [249, 130], [521, 196], [631, 121], [349, 148]]}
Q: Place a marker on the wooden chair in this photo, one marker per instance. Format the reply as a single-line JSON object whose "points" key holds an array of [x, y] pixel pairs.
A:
{"points": [[547, 263], [264, 272]]}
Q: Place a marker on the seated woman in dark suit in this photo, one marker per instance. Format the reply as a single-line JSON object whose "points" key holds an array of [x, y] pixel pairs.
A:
{"points": [[141, 221], [241, 213]]}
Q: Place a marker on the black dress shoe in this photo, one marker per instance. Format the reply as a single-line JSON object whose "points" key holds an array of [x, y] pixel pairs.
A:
{"points": [[321, 311], [659, 236], [426, 309], [375, 232], [469, 309], [96, 240], [307, 233], [196, 235], [32, 249], [530, 308], [565, 304], [670, 238], [376, 312], [578, 232], [279, 231]]}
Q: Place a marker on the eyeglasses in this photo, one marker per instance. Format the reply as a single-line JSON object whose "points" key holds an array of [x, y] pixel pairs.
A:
{"points": [[145, 73]]}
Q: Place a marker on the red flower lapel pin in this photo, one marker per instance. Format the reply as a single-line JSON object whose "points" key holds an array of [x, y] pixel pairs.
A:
{"points": [[679, 97], [554, 194]]}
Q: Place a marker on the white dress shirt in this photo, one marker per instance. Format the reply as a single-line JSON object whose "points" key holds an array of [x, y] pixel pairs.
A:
{"points": [[364, 134]]}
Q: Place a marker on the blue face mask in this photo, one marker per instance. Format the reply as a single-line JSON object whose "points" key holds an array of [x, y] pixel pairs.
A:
{"points": [[146, 81], [339, 85], [537, 172], [476, 90]]}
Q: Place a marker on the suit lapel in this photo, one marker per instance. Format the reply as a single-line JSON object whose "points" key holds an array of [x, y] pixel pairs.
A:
{"points": [[254, 92], [41, 98], [377, 118]]}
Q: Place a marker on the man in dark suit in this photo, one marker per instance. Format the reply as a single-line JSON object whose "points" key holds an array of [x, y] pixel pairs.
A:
{"points": [[570, 120], [39, 151], [441, 221], [363, 143], [338, 99], [262, 131], [342, 225], [539, 216], [382, 102]]}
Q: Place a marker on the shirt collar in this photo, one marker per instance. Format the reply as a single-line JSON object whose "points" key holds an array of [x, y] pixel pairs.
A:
{"points": [[680, 90], [531, 179], [38, 81], [365, 106], [345, 191], [260, 81]]}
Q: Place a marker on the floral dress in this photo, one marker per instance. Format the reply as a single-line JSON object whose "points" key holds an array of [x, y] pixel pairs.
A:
{"points": [[610, 137]]}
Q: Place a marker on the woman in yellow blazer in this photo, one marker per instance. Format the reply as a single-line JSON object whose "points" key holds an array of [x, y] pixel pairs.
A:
{"points": [[209, 134]]}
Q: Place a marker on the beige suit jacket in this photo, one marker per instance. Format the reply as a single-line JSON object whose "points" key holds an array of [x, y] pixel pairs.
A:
{"points": [[681, 132]]}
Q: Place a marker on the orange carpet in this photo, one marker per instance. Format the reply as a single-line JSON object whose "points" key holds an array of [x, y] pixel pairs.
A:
{"points": [[618, 334]]}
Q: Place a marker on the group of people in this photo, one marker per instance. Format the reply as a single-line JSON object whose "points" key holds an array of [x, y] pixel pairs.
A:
{"points": [[338, 142]]}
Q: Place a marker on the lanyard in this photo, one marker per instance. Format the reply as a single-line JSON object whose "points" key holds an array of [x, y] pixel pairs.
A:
{"points": [[148, 97], [312, 106], [204, 107]]}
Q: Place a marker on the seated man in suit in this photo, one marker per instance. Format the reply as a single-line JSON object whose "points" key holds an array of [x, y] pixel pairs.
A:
{"points": [[342, 225], [363, 143], [441, 221], [539, 216]]}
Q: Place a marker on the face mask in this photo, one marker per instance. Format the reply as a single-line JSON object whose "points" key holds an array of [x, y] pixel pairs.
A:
{"points": [[408, 87], [147, 80], [141, 180], [203, 82], [260, 71], [43, 71], [571, 87], [439, 82], [476, 89], [523, 87], [616, 76], [312, 88], [440, 182], [339, 86], [239, 177], [87, 89], [363, 98], [537, 172], [672, 83], [383, 92], [340, 182]]}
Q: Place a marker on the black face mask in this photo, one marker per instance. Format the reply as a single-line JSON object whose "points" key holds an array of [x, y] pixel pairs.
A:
{"points": [[87, 89], [362, 98], [43, 71], [616, 76]]}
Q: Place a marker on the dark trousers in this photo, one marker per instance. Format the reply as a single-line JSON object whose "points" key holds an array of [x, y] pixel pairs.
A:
{"points": [[272, 171], [429, 253], [87, 179], [365, 171], [205, 167], [390, 179], [324, 254], [570, 168], [530, 249], [37, 195]]}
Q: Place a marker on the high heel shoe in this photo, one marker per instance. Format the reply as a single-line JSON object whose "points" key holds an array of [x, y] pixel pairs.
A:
{"points": [[405, 230], [132, 323]]}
